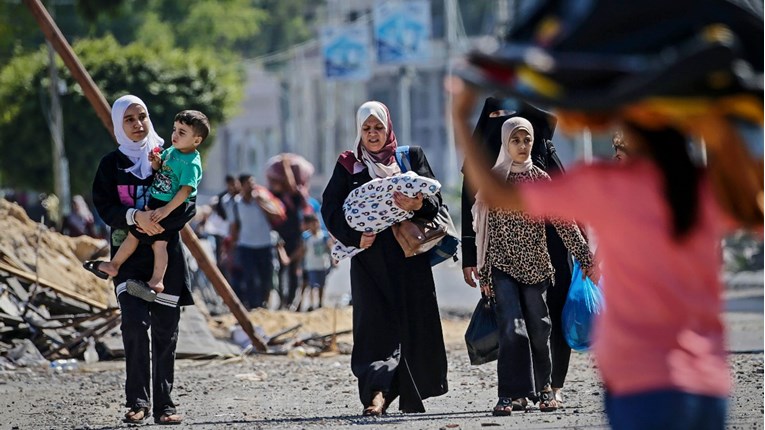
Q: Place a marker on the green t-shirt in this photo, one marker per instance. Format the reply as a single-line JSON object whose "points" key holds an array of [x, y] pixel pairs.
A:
{"points": [[177, 169]]}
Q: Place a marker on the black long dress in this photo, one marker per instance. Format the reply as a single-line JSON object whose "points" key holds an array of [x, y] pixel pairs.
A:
{"points": [[398, 345], [488, 130]]}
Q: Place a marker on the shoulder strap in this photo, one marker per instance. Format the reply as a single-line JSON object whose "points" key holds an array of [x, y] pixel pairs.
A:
{"points": [[402, 158]]}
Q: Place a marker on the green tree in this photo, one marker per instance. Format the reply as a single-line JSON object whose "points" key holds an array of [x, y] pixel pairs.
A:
{"points": [[168, 80], [288, 22], [224, 25]]}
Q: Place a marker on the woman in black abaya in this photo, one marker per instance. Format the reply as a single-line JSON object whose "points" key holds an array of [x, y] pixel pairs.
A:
{"points": [[398, 343]]}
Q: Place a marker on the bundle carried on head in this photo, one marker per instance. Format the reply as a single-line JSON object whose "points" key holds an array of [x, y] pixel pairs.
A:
{"points": [[302, 169], [693, 65]]}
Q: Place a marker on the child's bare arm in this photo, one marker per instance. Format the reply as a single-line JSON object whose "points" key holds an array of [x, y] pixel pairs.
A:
{"points": [[156, 160], [183, 193]]}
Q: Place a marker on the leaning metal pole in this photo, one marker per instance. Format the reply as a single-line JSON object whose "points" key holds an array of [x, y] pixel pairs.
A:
{"points": [[102, 108]]}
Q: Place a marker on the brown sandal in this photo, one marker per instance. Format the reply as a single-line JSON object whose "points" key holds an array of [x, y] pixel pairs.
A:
{"points": [[136, 415]]}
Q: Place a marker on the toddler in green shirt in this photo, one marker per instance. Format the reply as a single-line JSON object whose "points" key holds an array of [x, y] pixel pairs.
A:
{"points": [[178, 171]]}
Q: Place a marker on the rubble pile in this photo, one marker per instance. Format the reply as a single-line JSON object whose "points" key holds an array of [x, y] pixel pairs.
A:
{"points": [[45, 295], [29, 247]]}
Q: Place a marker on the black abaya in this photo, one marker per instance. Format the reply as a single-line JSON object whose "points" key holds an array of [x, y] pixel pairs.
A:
{"points": [[397, 337]]}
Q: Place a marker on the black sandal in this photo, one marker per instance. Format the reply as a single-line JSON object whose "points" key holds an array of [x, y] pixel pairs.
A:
{"points": [[547, 402], [503, 408], [140, 289], [130, 416], [92, 267]]}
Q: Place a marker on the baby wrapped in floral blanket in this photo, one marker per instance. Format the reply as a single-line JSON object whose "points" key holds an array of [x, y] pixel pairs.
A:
{"points": [[370, 208]]}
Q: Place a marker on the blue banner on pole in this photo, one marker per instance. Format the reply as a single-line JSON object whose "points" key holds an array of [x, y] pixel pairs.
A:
{"points": [[402, 32], [347, 52]]}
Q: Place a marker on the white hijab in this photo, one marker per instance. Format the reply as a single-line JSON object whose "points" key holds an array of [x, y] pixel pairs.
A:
{"points": [[502, 167], [376, 168], [138, 152]]}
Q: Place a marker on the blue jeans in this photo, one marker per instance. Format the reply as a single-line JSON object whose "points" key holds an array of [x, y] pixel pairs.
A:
{"points": [[524, 365], [666, 409]]}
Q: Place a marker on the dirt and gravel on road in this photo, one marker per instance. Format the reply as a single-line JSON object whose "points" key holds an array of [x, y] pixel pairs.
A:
{"points": [[293, 392]]}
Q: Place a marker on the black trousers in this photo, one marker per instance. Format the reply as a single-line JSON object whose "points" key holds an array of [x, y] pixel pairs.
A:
{"points": [[556, 298], [524, 364], [138, 316]]}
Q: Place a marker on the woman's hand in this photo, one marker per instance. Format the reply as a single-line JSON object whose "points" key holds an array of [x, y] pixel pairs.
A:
{"points": [[470, 274], [591, 272], [407, 203], [367, 239], [145, 224]]}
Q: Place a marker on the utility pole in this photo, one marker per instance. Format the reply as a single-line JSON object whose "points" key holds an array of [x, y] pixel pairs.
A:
{"points": [[405, 105], [56, 126], [450, 7], [330, 113]]}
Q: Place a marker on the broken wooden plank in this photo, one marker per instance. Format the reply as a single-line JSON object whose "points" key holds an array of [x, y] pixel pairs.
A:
{"points": [[52, 285], [273, 340], [324, 336], [108, 325]]}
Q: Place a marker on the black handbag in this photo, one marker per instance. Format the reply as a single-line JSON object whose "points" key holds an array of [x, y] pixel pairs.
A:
{"points": [[482, 334]]}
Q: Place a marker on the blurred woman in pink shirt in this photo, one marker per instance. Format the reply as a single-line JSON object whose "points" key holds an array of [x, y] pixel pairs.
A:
{"points": [[659, 344]]}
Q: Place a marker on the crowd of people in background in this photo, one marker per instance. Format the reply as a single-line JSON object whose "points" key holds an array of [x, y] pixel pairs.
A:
{"points": [[269, 238]]}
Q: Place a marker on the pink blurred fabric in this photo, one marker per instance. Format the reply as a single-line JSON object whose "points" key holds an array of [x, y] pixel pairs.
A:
{"points": [[662, 326]]}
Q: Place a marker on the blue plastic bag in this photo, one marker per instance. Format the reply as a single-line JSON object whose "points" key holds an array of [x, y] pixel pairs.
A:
{"points": [[583, 303]]}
